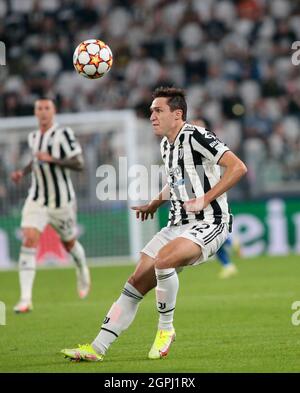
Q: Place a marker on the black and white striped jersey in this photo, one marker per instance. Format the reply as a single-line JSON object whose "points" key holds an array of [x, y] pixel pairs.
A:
{"points": [[51, 184], [192, 170]]}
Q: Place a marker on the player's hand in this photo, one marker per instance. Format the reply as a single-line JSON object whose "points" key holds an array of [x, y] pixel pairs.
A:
{"points": [[16, 176], [144, 211], [195, 205], [43, 156]]}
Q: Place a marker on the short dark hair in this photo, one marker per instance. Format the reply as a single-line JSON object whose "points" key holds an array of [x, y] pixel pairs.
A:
{"points": [[45, 98], [176, 98]]}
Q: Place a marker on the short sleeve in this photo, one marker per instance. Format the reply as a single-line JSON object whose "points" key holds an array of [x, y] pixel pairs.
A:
{"points": [[69, 143], [208, 145]]}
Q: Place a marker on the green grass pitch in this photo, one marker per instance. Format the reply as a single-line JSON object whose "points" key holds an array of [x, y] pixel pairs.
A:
{"points": [[242, 324]]}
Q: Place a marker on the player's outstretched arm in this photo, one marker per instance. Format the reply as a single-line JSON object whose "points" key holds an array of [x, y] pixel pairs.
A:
{"points": [[75, 163], [144, 211], [234, 170], [16, 176]]}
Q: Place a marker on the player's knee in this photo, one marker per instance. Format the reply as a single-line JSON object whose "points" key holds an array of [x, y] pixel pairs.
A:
{"points": [[163, 261], [69, 245]]}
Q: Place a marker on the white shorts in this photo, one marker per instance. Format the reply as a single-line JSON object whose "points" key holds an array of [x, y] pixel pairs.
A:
{"points": [[209, 237], [63, 219]]}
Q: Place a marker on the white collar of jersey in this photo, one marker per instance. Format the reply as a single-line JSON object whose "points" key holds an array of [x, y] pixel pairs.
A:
{"points": [[55, 125]]}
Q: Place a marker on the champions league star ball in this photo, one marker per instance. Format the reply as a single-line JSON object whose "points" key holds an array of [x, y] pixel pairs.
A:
{"points": [[92, 59]]}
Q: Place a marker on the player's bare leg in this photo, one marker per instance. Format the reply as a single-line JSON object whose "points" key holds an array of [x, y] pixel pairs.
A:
{"points": [[82, 271], [27, 268], [179, 252], [143, 279], [121, 314]]}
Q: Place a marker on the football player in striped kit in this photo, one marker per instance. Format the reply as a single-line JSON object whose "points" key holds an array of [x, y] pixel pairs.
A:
{"points": [[51, 198], [199, 222]]}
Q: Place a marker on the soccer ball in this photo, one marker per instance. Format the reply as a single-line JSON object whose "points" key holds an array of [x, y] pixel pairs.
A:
{"points": [[92, 59]]}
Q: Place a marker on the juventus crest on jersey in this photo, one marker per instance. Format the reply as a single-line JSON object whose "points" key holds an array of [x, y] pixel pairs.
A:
{"points": [[51, 184], [192, 170]]}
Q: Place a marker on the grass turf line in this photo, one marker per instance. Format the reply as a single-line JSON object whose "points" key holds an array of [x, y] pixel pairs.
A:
{"points": [[241, 324]]}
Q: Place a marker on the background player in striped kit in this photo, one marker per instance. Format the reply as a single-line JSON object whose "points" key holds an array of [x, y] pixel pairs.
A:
{"points": [[199, 222], [51, 198]]}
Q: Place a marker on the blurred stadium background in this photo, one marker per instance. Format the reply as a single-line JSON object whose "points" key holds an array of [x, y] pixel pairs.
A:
{"points": [[233, 57]]}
